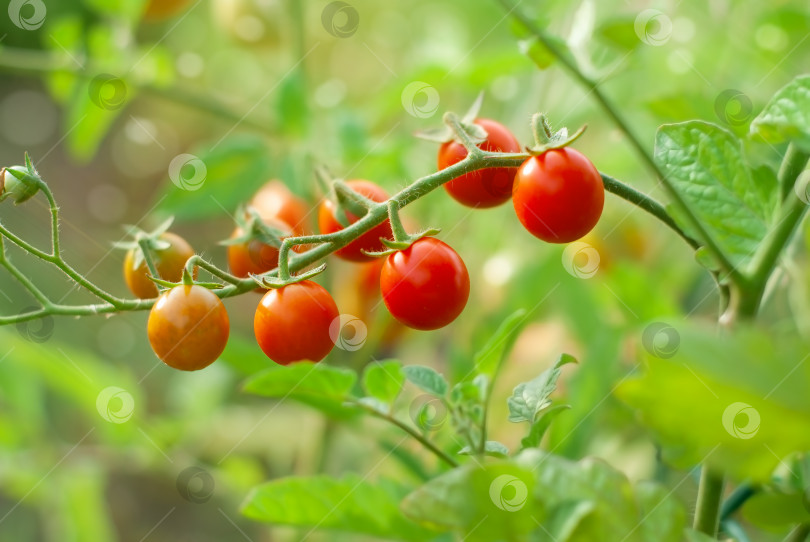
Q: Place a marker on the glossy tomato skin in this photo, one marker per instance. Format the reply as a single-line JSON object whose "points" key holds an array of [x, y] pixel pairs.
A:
{"points": [[558, 195], [254, 256], [188, 327], [274, 201], [369, 241], [169, 264], [485, 187], [425, 286], [292, 323]]}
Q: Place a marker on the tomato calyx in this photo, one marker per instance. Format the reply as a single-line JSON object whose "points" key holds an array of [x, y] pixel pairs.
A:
{"points": [[546, 139], [20, 183], [274, 283], [402, 244], [452, 131], [145, 241], [254, 228]]}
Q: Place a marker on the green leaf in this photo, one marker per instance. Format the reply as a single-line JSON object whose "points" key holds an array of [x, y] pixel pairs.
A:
{"points": [[383, 380], [320, 502], [426, 379], [736, 401], [787, 116], [315, 384], [589, 500], [496, 502], [233, 170], [540, 426], [772, 510], [529, 398], [705, 164], [491, 447], [488, 360]]}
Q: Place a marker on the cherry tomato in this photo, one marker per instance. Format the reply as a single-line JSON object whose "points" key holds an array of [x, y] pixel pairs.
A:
{"points": [[188, 327], [292, 323], [558, 195], [157, 10], [169, 263], [425, 286], [275, 201], [485, 187], [254, 256], [369, 241]]}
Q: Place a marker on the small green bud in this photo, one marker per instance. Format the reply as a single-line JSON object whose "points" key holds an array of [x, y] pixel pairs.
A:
{"points": [[18, 183]]}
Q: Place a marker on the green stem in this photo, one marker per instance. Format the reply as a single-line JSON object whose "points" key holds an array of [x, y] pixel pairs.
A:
{"points": [[793, 164], [326, 244], [197, 261], [592, 87], [742, 493], [54, 209], [348, 199], [646, 203], [770, 249], [710, 494], [149, 259], [413, 433], [398, 229], [26, 282]]}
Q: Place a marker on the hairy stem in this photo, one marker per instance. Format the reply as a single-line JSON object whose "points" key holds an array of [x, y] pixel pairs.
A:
{"points": [[592, 87]]}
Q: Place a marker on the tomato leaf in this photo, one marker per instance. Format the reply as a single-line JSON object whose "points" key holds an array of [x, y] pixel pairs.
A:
{"points": [[229, 173], [787, 116], [426, 379], [773, 510], [488, 360], [735, 401], [493, 502], [315, 384], [492, 448], [705, 164], [540, 426], [383, 380], [530, 398], [350, 504]]}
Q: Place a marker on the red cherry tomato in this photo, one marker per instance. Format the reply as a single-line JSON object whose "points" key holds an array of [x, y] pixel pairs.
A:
{"points": [[292, 323], [485, 187], [157, 10], [169, 263], [274, 201], [558, 195], [425, 286], [369, 241], [188, 327]]}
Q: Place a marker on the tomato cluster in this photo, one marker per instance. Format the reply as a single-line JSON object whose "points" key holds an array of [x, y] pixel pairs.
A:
{"points": [[557, 195]]}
